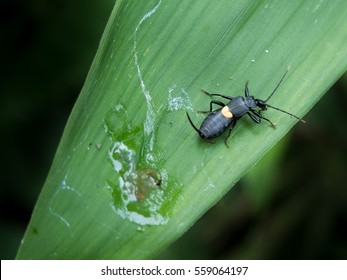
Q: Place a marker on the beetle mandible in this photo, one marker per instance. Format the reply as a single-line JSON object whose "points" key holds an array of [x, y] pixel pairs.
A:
{"points": [[226, 117]]}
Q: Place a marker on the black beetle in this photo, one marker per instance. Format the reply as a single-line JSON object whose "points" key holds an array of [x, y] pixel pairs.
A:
{"points": [[218, 121]]}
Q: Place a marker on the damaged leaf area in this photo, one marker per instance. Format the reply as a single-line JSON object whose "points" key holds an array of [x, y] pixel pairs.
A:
{"points": [[141, 192]]}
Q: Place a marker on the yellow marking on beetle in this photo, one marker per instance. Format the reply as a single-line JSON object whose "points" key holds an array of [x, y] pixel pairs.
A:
{"points": [[227, 113]]}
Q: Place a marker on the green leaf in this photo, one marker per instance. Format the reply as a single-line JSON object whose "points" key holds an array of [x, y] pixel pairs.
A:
{"points": [[130, 174]]}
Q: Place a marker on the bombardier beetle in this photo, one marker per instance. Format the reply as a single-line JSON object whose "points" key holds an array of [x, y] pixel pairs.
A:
{"points": [[225, 118]]}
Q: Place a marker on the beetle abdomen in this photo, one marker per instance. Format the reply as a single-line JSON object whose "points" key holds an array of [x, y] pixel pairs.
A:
{"points": [[214, 125]]}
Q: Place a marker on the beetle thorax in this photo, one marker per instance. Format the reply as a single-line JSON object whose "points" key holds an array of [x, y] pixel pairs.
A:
{"points": [[251, 102]]}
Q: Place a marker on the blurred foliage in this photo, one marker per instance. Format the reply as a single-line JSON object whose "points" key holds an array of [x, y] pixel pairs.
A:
{"points": [[292, 205], [46, 51]]}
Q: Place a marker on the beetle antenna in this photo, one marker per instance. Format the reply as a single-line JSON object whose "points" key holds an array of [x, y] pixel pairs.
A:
{"points": [[278, 84], [303, 121]]}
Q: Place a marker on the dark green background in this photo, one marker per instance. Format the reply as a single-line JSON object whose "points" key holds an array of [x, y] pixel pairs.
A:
{"points": [[46, 50]]}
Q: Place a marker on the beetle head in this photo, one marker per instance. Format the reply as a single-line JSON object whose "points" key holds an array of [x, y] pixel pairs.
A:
{"points": [[261, 104]]}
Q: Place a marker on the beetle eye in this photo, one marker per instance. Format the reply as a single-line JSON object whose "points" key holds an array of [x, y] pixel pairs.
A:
{"points": [[262, 106]]}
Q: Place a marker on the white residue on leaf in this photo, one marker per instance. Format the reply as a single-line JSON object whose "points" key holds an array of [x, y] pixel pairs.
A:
{"points": [[317, 7], [59, 217], [127, 186], [54, 207], [149, 124], [123, 161], [119, 107], [154, 220], [124, 154], [210, 182], [178, 101]]}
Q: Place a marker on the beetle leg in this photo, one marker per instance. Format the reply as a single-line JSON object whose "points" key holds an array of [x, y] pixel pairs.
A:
{"points": [[217, 103], [256, 113], [216, 94], [213, 102], [229, 132], [253, 117]]}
